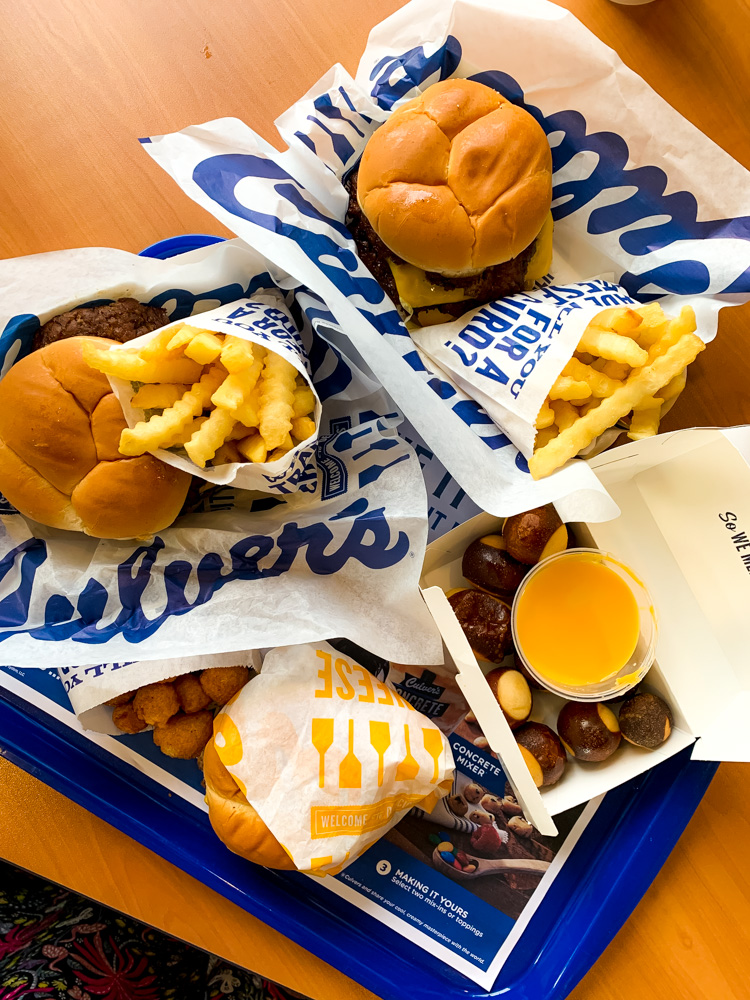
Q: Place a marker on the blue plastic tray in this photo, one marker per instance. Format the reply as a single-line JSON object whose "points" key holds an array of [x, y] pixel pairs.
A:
{"points": [[613, 864]]}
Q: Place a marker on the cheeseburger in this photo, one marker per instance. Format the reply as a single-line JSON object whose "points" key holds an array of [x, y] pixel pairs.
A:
{"points": [[450, 204]]}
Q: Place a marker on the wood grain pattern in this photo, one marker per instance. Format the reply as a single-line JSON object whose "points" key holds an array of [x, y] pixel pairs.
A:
{"points": [[81, 80]]}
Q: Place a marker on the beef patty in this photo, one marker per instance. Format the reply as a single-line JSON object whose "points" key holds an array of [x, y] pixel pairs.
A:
{"points": [[122, 320], [493, 283]]}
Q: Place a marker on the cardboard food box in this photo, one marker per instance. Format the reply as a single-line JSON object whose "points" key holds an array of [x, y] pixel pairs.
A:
{"points": [[684, 528]]}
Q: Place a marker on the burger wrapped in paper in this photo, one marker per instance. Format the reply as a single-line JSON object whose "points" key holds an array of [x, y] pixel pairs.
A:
{"points": [[315, 759], [60, 464], [450, 206]]}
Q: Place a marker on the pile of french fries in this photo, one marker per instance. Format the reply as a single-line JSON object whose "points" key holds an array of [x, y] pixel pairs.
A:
{"points": [[219, 397], [628, 362]]}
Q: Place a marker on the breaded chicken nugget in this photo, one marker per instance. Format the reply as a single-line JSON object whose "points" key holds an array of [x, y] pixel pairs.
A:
{"points": [[155, 703], [121, 699], [220, 683], [124, 718], [184, 736], [190, 693]]}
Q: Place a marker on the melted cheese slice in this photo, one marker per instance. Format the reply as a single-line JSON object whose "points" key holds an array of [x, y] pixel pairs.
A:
{"points": [[416, 291]]}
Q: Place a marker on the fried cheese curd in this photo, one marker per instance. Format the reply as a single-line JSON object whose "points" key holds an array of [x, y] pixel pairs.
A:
{"points": [[222, 683], [179, 709], [184, 736]]}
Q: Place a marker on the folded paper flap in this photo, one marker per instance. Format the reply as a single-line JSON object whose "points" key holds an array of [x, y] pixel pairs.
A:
{"points": [[685, 526], [329, 756], [728, 737], [489, 715]]}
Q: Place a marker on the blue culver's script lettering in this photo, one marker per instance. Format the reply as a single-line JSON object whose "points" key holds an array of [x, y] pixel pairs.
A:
{"points": [[369, 540]]}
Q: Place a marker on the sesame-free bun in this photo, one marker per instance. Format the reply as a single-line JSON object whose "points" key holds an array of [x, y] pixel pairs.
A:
{"points": [[234, 820], [60, 427], [457, 180]]}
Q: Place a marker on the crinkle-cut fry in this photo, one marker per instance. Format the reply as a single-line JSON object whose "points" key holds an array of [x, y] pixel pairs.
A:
{"points": [[240, 431], [626, 321], [545, 435], [304, 401], [249, 412], [599, 383], [126, 364], [644, 382], [545, 417], [615, 370], [158, 396], [564, 413], [227, 454], [590, 404], [206, 441], [236, 388], [185, 432], [613, 346], [569, 388], [182, 335], [677, 328], [302, 428], [253, 448], [653, 326], [277, 384], [645, 420], [650, 312], [584, 358], [674, 387], [158, 346], [204, 348], [151, 434], [620, 319], [237, 353], [276, 454]]}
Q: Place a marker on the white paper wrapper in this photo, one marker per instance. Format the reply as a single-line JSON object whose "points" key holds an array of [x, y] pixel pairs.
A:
{"points": [[241, 570], [90, 686], [328, 756], [263, 320], [638, 194]]}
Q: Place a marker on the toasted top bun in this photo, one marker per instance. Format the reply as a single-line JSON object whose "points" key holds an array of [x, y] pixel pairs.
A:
{"points": [[234, 820], [60, 427], [457, 180]]}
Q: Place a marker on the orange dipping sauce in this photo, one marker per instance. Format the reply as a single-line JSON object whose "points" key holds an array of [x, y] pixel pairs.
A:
{"points": [[577, 620]]}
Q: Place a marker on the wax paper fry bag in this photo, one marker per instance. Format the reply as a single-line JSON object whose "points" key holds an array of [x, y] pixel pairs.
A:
{"points": [[639, 197], [507, 354], [263, 320], [328, 756]]}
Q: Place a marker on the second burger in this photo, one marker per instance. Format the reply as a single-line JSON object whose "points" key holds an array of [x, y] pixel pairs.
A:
{"points": [[450, 205]]}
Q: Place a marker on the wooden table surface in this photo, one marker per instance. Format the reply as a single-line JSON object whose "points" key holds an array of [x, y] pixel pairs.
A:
{"points": [[81, 80]]}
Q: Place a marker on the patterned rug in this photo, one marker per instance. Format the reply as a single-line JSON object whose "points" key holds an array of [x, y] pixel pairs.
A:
{"points": [[56, 944]]}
